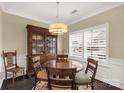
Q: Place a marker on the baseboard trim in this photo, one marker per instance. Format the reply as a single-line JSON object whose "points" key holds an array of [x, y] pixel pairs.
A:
{"points": [[108, 72], [111, 72], [114, 83]]}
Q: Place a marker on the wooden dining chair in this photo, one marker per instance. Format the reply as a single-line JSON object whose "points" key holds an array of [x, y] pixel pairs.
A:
{"points": [[62, 58], [39, 72], [87, 77], [10, 64], [60, 78]]}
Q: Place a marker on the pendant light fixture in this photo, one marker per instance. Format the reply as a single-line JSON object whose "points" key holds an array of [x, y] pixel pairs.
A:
{"points": [[58, 28]]}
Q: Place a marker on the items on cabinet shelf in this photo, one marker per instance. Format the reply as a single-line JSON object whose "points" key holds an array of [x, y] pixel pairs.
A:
{"points": [[39, 42]]}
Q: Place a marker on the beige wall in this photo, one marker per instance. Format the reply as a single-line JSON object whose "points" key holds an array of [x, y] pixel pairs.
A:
{"points": [[15, 33], [60, 43], [0, 31], [115, 18]]}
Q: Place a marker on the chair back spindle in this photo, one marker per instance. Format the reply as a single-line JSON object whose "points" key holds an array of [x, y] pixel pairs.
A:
{"points": [[10, 59], [91, 67], [36, 63], [61, 78]]}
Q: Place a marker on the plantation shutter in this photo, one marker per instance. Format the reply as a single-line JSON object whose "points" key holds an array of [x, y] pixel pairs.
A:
{"points": [[95, 43], [76, 45]]}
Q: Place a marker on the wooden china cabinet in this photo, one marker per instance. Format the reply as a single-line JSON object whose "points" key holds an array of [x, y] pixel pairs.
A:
{"points": [[39, 42]]}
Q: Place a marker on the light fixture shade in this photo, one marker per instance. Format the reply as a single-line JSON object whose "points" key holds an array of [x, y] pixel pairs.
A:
{"points": [[58, 28]]}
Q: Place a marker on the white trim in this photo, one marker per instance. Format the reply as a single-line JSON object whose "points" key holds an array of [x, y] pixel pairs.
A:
{"points": [[96, 13], [107, 42], [21, 61], [77, 32], [89, 29], [62, 1], [29, 17], [112, 72], [1, 72], [3, 8]]}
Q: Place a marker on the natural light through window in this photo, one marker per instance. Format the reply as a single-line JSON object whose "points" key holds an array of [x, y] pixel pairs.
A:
{"points": [[76, 45], [90, 42]]}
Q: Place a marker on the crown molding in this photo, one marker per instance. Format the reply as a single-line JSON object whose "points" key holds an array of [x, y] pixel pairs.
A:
{"points": [[29, 17], [88, 15], [97, 12]]}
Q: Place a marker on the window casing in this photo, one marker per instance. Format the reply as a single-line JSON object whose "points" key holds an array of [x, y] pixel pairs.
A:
{"points": [[76, 45], [91, 42]]}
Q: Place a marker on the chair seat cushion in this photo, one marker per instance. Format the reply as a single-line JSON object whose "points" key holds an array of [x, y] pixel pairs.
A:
{"points": [[81, 78], [15, 69], [42, 75]]}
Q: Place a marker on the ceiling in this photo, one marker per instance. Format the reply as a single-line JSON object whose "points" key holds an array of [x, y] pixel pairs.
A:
{"points": [[47, 11]]}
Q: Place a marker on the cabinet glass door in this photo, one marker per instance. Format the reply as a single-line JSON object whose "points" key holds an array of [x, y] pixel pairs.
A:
{"points": [[37, 44], [51, 44]]}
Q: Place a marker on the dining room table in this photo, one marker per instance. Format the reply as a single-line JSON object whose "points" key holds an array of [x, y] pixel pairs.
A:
{"points": [[69, 64]]}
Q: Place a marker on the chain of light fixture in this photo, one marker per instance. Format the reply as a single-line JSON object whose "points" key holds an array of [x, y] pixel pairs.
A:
{"points": [[57, 28]]}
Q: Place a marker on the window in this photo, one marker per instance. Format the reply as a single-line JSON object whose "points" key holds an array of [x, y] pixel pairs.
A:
{"points": [[76, 45], [91, 42]]}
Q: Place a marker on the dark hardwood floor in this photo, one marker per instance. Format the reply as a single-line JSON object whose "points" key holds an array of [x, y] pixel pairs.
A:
{"points": [[28, 83]]}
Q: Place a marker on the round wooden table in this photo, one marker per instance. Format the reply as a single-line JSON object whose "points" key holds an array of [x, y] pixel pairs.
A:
{"points": [[69, 64]]}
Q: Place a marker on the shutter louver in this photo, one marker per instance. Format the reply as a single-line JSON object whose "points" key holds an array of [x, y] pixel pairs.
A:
{"points": [[95, 44], [76, 45], [91, 42]]}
